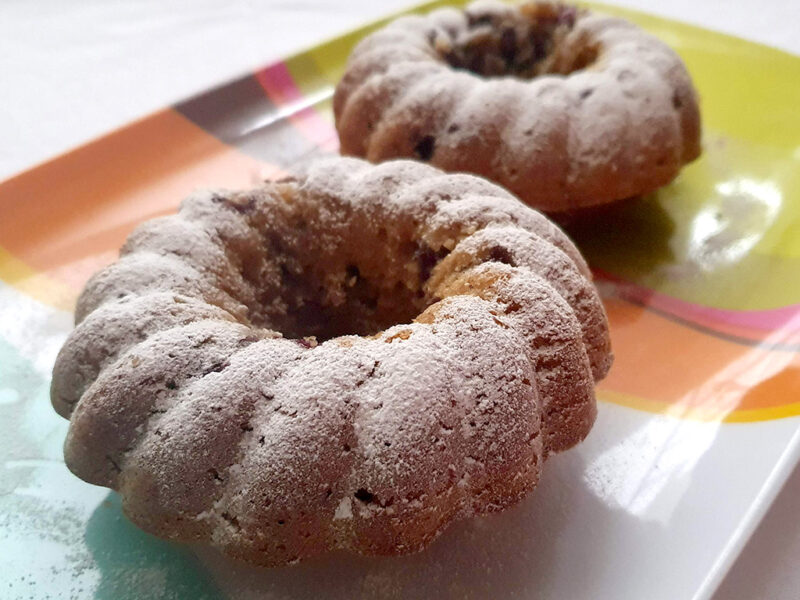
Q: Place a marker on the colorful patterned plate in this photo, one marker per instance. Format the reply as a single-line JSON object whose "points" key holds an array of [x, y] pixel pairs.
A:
{"points": [[699, 420]]}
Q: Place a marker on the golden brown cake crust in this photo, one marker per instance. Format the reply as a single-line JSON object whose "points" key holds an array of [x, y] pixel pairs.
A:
{"points": [[457, 339], [563, 107]]}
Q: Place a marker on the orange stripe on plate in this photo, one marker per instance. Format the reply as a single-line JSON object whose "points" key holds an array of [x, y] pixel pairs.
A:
{"points": [[673, 366], [68, 217]]}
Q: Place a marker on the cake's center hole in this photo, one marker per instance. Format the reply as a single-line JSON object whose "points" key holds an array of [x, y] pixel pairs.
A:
{"points": [[521, 43], [325, 272]]}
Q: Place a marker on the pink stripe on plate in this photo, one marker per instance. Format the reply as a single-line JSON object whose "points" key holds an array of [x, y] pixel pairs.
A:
{"points": [[785, 318], [298, 107]]}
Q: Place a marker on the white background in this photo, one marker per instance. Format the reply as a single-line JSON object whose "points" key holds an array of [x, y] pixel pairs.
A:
{"points": [[70, 71]]}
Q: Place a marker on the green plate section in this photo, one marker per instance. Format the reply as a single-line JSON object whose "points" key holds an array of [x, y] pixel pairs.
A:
{"points": [[729, 225]]}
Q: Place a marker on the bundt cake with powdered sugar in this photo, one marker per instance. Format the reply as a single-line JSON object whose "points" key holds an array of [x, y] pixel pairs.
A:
{"points": [[563, 107], [349, 358]]}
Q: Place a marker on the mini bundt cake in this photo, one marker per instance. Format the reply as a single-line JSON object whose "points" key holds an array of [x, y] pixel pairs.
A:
{"points": [[563, 107], [349, 358]]}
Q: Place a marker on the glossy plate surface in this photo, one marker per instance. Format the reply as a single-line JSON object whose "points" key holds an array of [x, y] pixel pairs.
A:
{"points": [[699, 419]]}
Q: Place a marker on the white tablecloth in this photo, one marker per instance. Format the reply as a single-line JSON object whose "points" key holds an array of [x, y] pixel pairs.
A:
{"points": [[71, 71]]}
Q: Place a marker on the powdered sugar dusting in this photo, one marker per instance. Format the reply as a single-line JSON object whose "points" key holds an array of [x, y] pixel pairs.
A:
{"points": [[344, 510]]}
